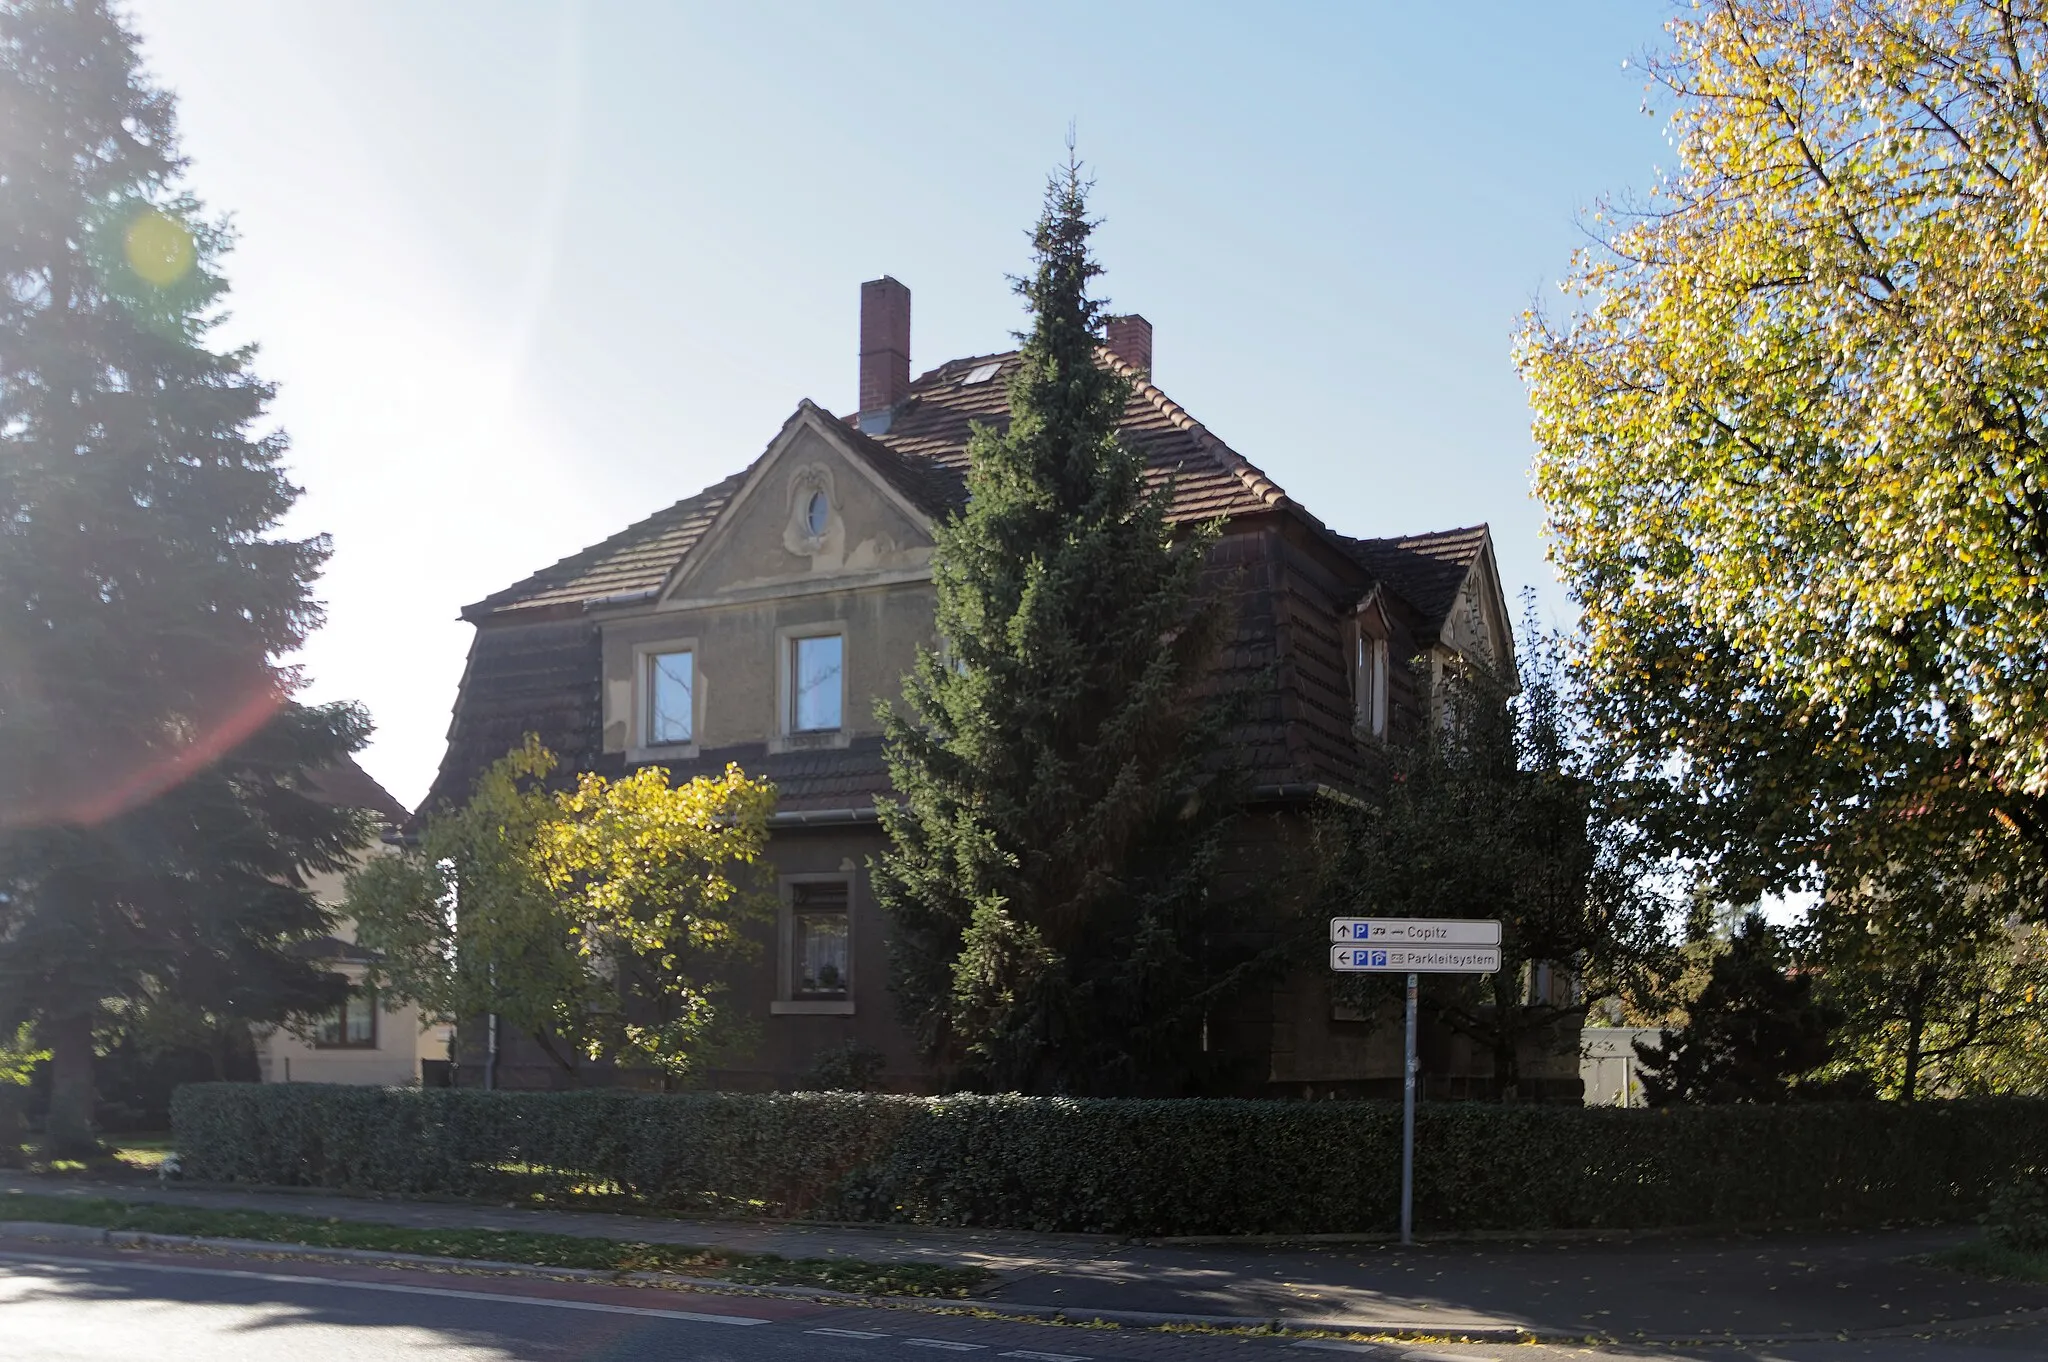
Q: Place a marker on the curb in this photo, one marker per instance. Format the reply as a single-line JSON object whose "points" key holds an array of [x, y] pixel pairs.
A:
{"points": [[1745, 1229], [87, 1234], [1443, 1333]]}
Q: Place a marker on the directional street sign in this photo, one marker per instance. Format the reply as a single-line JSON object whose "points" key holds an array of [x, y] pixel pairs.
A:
{"points": [[1415, 959], [1415, 931], [1412, 946]]}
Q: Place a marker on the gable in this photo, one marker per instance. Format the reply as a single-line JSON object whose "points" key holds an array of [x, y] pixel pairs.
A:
{"points": [[762, 542], [1476, 624]]}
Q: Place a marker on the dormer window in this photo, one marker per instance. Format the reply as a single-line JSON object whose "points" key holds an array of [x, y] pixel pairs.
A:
{"points": [[1371, 684]]}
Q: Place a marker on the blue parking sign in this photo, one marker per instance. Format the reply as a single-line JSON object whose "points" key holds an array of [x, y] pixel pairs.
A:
{"points": [[1379, 959]]}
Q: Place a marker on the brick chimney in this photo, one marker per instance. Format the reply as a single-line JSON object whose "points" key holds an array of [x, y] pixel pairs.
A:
{"points": [[1130, 340], [884, 347]]}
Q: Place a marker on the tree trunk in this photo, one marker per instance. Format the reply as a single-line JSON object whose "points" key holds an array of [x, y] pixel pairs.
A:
{"points": [[1507, 1049], [10, 1125], [1916, 1026], [547, 1045], [69, 1134]]}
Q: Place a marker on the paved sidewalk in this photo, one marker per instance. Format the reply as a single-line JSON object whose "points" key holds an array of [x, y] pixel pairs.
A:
{"points": [[1758, 1285]]}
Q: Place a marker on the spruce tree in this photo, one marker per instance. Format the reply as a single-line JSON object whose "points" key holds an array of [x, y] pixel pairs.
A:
{"points": [[156, 821], [1754, 1031], [1051, 876]]}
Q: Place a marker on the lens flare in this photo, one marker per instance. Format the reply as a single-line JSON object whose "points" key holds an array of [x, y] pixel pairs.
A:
{"points": [[159, 249], [96, 793]]}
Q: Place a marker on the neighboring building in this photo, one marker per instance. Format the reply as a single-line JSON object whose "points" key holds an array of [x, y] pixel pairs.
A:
{"points": [[1609, 1066], [363, 1041], [761, 620]]}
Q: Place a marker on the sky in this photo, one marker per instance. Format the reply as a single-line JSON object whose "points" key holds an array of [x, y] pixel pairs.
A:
{"points": [[525, 273]]}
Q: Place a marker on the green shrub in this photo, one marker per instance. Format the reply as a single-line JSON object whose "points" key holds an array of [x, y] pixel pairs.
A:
{"points": [[1125, 1166], [2018, 1218]]}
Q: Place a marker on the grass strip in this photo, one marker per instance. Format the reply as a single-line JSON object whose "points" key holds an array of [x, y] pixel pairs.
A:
{"points": [[505, 1246], [1982, 1258]]}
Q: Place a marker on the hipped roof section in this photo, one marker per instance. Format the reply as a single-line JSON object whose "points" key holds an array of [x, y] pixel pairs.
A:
{"points": [[923, 455], [1425, 570]]}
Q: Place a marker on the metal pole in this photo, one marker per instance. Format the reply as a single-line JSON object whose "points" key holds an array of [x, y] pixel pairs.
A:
{"points": [[1408, 1124]]}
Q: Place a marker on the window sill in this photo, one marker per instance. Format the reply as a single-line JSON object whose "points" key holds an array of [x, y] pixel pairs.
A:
{"points": [[644, 756], [811, 741], [836, 1007]]}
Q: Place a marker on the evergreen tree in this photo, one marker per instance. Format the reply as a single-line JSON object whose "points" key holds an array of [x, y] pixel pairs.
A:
{"points": [[1050, 881], [1756, 1028], [155, 819]]}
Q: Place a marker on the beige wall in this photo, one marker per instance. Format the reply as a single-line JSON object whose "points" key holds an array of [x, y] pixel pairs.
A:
{"points": [[762, 580], [284, 1055]]}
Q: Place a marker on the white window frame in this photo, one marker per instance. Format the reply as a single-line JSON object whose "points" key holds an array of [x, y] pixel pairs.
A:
{"points": [[786, 1003], [642, 747], [788, 737]]}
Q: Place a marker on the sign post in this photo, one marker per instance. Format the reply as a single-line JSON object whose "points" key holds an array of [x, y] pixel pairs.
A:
{"points": [[1408, 1123], [1412, 946]]}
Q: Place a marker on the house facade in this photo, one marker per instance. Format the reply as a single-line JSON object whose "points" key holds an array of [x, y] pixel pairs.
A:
{"points": [[368, 1040], [763, 619]]}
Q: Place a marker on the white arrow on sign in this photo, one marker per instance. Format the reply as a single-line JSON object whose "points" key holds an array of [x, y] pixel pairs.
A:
{"points": [[1415, 959], [1416, 931]]}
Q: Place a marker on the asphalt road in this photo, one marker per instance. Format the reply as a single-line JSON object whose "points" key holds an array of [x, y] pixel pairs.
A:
{"points": [[65, 1306]]}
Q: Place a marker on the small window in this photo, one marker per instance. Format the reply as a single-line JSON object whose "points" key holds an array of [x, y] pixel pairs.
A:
{"points": [[820, 941], [981, 373], [352, 1026], [817, 514], [815, 666], [671, 683], [1372, 685]]}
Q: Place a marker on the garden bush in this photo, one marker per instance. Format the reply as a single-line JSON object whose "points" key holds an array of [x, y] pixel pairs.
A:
{"points": [[1126, 1166], [2018, 1218]]}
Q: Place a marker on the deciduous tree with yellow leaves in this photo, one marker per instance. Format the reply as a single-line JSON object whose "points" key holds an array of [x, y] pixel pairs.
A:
{"points": [[602, 920], [1791, 432]]}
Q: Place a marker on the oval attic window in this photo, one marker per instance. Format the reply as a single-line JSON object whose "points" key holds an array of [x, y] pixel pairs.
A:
{"points": [[815, 514]]}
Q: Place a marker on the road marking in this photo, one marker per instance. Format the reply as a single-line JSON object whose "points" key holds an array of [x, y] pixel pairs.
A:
{"points": [[392, 1288], [846, 1333], [1046, 1357], [948, 1344]]}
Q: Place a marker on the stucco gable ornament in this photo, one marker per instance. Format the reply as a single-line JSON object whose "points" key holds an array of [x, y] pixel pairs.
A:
{"points": [[812, 511]]}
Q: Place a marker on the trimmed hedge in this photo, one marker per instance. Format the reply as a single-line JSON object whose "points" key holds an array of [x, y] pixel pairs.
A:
{"points": [[1127, 1167]]}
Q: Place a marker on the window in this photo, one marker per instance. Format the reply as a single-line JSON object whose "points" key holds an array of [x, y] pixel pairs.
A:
{"points": [[671, 683], [817, 514], [820, 941], [981, 373], [1372, 684], [815, 690], [352, 1026]]}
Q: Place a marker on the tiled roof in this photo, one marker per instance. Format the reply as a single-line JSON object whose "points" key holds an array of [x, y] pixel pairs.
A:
{"points": [[329, 948], [833, 778], [636, 559], [1209, 477], [1425, 570], [526, 674], [349, 786], [923, 455]]}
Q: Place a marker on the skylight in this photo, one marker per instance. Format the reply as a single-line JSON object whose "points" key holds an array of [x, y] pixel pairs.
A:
{"points": [[981, 373]]}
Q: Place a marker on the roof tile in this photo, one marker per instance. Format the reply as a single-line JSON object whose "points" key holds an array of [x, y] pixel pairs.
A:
{"points": [[1426, 570]]}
